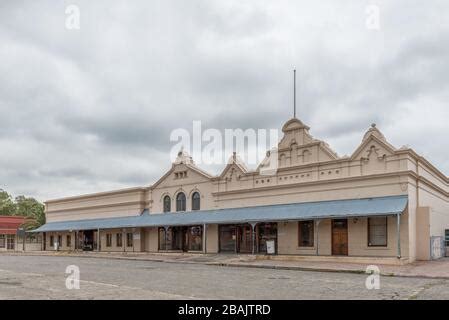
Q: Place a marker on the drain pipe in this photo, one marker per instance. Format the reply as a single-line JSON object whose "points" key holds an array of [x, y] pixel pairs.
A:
{"points": [[317, 223], [204, 238], [398, 231], [166, 236], [98, 239], [253, 233]]}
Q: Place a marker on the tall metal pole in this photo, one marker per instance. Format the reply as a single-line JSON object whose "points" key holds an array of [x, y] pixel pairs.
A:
{"points": [[294, 93]]}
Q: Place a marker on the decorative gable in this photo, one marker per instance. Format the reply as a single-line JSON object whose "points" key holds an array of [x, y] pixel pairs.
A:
{"points": [[298, 147], [295, 133], [183, 171], [234, 169], [373, 152], [374, 145]]}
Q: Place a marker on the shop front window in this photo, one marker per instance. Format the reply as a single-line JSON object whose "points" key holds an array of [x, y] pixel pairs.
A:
{"points": [[377, 232], [227, 238], [266, 232], [305, 233], [195, 238], [181, 238]]}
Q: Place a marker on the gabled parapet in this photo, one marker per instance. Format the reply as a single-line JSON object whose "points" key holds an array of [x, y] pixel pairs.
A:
{"points": [[298, 147]]}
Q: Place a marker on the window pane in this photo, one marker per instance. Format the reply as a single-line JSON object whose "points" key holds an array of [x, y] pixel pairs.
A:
{"points": [[181, 202], [377, 231], [196, 201], [306, 236], [195, 238], [227, 238], [129, 239], [167, 204]]}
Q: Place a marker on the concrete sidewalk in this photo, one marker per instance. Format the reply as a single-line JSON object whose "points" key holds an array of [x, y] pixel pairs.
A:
{"points": [[437, 269]]}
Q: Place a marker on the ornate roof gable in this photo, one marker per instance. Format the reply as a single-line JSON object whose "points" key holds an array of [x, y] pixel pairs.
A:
{"points": [[183, 167], [373, 143], [235, 167], [298, 147]]}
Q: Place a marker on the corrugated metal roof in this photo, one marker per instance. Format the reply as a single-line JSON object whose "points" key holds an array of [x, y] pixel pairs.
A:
{"points": [[379, 206]]}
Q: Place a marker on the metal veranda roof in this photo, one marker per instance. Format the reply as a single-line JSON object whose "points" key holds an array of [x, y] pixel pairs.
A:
{"points": [[379, 206]]}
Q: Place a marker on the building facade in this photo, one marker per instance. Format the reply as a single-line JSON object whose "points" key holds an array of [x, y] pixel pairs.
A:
{"points": [[9, 229], [381, 201]]}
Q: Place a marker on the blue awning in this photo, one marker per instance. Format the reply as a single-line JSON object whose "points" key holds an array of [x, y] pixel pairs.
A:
{"points": [[380, 206]]}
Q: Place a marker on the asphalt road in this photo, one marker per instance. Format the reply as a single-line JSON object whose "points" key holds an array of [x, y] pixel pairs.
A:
{"points": [[44, 277]]}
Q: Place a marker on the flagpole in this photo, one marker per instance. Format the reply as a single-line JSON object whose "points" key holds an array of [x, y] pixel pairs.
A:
{"points": [[294, 93]]}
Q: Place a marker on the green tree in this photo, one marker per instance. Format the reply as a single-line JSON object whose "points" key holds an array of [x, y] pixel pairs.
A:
{"points": [[32, 209], [7, 205]]}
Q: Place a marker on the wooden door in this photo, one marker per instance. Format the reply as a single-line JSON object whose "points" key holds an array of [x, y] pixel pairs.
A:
{"points": [[340, 237]]}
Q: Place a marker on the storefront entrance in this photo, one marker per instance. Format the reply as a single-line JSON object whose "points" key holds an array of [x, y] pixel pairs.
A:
{"points": [[181, 238], [88, 241], [227, 238], [239, 238], [266, 232], [236, 238]]}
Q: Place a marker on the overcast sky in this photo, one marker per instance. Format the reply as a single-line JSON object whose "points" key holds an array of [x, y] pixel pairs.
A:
{"points": [[92, 109]]}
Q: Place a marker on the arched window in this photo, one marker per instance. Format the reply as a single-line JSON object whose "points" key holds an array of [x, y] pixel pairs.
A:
{"points": [[195, 201], [181, 202], [167, 204]]}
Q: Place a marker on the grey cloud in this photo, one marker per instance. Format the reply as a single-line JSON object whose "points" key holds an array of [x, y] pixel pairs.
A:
{"points": [[92, 110]]}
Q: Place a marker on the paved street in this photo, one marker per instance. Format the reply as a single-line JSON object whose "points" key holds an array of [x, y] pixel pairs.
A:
{"points": [[43, 277]]}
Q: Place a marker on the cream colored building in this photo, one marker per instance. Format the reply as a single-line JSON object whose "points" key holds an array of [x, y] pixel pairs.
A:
{"points": [[379, 202]]}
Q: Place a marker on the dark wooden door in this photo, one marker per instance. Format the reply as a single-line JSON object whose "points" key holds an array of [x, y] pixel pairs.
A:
{"points": [[340, 237]]}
